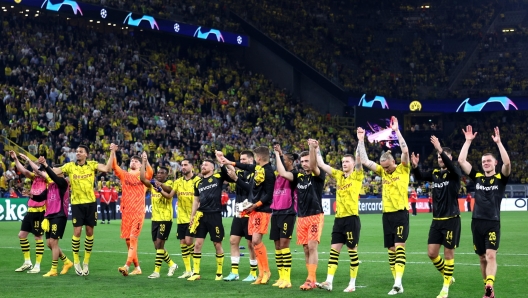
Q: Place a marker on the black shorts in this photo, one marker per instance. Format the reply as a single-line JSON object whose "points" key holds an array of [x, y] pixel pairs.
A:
{"points": [[486, 235], [161, 230], [57, 226], [211, 223], [395, 227], [239, 227], [183, 231], [445, 232], [346, 230], [282, 226], [31, 223], [84, 214]]}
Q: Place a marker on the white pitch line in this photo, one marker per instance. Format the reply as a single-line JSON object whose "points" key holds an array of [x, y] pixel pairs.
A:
{"points": [[298, 259]]}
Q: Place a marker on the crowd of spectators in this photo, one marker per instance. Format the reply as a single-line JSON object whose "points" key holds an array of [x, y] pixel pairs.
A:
{"points": [[64, 86], [499, 67], [376, 47]]}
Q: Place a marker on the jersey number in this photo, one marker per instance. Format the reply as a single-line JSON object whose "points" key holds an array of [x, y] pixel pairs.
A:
{"points": [[162, 228], [449, 235], [217, 230], [350, 237], [399, 231], [285, 227], [37, 224], [492, 236], [315, 228]]}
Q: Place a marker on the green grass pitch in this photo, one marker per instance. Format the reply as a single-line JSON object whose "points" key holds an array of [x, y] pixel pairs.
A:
{"points": [[421, 279]]}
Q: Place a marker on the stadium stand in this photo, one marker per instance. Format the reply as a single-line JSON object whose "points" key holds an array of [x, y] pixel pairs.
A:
{"points": [[63, 87]]}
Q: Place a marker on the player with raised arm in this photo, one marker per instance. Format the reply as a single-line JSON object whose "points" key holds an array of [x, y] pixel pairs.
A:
{"points": [[445, 228], [56, 216], [183, 188], [283, 217], [395, 200], [35, 214], [162, 214], [309, 184], [489, 191], [260, 211], [206, 215], [347, 225], [239, 227], [132, 206], [81, 174]]}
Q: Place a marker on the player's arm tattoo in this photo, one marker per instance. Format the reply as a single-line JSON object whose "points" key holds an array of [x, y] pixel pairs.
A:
{"points": [[362, 153]]}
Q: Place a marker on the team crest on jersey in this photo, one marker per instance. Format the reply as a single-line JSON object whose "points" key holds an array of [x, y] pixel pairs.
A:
{"points": [[445, 175], [74, 220], [210, 180], [491, 181]]}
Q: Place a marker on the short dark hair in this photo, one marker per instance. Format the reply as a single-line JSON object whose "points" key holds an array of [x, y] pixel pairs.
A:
{"points": [[136, 157], [304, 153], [447, 150], [248, 153], [187, 160], [291, 156], [164, 168], [351, 156], [209, 160], [85, 148]]}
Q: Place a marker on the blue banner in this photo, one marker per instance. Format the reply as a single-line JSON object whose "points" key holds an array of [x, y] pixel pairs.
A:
{"points": [[490, 104], [124, 19]]}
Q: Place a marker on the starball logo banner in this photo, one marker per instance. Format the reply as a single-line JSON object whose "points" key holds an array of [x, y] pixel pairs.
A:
{"points": [[490, 104]]}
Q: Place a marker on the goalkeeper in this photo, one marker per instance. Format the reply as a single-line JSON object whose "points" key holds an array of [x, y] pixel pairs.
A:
{"points": [[239, 227], [56, 214]]}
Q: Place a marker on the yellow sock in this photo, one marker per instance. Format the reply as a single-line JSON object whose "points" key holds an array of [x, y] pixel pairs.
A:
{"points": [[39, 251], [332, 264], [64, 259], [449, 267], [167, 258], [253, 267], [88, 244], [76, 243], [186, 256], [24, 245], [392, 261], [191, 253], [159, 259], [439, 263], [197, 257], [235, 261], [490, 279], [399, 263], [278, 261], [54, 264], [219, 264], [354, 263], [286, 264]]}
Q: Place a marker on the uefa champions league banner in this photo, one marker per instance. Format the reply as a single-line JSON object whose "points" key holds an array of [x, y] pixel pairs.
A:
{"points": [[464, 105]]}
